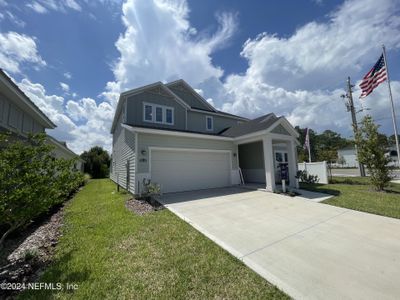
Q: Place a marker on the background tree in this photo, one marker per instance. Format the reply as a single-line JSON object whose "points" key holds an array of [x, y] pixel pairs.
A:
{"points": [[302, 153], [392, 141], [97, 162], [324, 146], [371, 153], [31, 181]]}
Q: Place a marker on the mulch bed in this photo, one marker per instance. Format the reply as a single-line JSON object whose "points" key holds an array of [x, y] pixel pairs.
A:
{"points": [[142, 207], [25, 256]]}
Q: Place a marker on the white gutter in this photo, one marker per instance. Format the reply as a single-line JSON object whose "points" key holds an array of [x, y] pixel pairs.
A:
{"points": [[176, 133]]}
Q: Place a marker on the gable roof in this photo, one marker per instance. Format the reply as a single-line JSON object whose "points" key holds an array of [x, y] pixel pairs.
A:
{"points": [[62, 146], [258, 124], [193, 92], [12, 91], [264, 123], [142, 89], [219, 113]]}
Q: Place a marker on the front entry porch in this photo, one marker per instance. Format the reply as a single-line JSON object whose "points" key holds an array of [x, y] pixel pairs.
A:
{"points": [[261, 158]]}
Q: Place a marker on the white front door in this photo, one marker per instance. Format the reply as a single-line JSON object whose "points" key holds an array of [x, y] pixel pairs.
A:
{"points": [[280, 157], [185, 170]]}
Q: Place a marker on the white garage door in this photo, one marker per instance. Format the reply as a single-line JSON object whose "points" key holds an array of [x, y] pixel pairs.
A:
{"points": [[178, 171]]}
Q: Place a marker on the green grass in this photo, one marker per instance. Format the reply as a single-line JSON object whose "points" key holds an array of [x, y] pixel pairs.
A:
{"points": [[356, 193], [113, 254]]}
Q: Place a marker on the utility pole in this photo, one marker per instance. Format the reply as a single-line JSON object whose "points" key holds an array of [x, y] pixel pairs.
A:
{"points": [[350, 108]]}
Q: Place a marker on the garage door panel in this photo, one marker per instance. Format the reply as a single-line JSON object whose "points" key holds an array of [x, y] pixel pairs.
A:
{"points": [[189, 170]]}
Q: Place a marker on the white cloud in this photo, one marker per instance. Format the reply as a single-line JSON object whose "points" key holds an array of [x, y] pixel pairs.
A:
{"points": [[67, 75], [159, 44], [300, 76], [7, 14], [44, 6], [82, 124], [303, 75], [64, 87], [17, 49], [72, 4], [37, 7]]}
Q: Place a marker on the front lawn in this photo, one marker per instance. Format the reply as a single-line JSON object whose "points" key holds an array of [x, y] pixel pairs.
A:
{"points": [[110, 253], [356, 193]]}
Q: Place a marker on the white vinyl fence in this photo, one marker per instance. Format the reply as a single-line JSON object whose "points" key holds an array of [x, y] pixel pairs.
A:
{"points": [[316, 168]]}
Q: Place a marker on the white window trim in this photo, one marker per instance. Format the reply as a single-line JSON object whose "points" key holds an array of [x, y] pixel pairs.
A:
{"points": [[212, 123], [153, 113]]}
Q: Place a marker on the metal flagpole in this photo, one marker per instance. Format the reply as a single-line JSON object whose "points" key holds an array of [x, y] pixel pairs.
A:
{"points": [[391, 102], [308, 146]]}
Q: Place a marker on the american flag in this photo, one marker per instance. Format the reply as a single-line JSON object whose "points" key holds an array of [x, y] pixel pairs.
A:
{"points": [[374, 77], [307, 140]]}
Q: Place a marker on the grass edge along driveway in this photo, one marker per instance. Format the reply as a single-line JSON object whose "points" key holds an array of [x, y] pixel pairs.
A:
{"points": [[111, 253], [358, 194]]}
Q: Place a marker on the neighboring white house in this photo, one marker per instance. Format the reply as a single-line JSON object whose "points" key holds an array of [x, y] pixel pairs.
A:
{"points": [[21, 117], [392, 154], [170, 134], [18, 114], [62, 151], [347, 157]]}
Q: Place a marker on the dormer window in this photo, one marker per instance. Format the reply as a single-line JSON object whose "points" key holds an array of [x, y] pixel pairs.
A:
{"points": [[209, 123], [155, 113]]}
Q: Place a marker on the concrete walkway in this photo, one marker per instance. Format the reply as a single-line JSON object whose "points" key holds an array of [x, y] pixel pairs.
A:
{"points": [[309, 250]]}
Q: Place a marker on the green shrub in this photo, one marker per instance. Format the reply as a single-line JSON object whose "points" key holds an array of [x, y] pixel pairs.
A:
{"points": [[371, 153], [303, 176], [31, 181]]}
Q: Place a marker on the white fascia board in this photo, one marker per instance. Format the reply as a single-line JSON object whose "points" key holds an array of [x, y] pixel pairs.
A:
{"points": [[176, 133], [116, 114]]}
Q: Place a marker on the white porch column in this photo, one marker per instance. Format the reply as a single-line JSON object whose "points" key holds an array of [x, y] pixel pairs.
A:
{"points": [[292, 162], [269, 164]]}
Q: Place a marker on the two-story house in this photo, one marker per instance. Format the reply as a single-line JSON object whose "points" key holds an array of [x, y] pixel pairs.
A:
{"points": [[170, 134], [21, 117]]}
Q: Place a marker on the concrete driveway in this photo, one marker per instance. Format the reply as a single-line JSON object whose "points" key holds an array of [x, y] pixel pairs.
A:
{"points": [[309, 250]]}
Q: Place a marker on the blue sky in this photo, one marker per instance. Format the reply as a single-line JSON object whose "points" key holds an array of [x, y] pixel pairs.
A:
{"points": [[73, 57]]}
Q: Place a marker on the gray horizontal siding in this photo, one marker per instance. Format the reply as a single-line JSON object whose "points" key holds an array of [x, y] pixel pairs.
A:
{"points": [[123, 164], [17, 120], [197, 122], [280, 130], [135, 110]]}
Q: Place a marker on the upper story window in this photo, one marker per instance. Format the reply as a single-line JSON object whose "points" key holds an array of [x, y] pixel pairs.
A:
{"points": [[155, 113], [209, 123]]}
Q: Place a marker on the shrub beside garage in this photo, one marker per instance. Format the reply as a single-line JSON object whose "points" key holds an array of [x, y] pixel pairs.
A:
{"points": [[32, 181]]}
